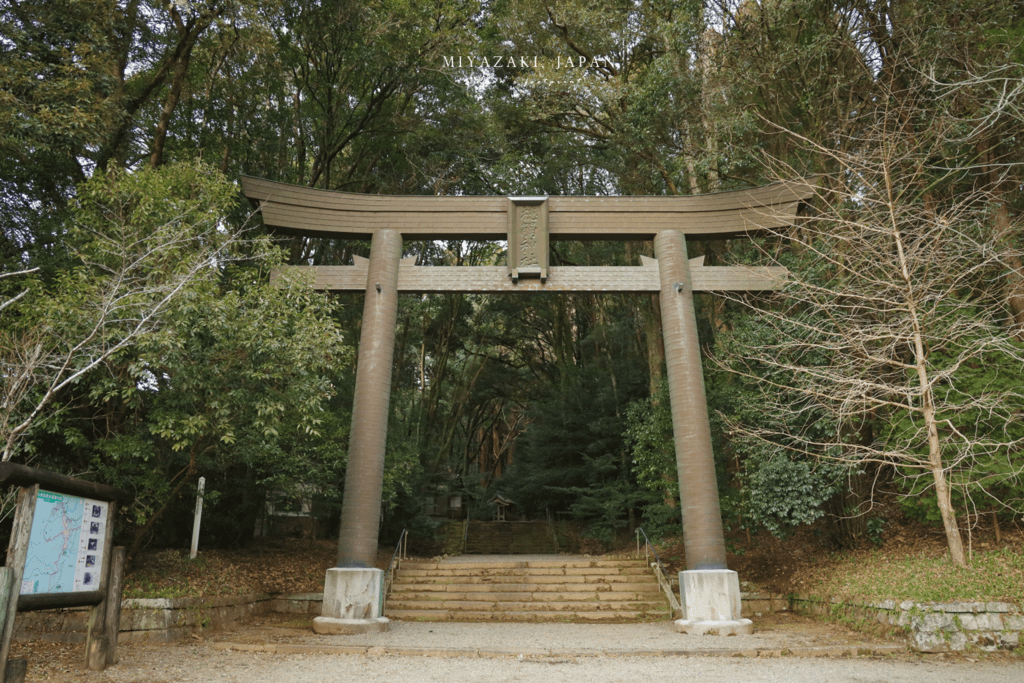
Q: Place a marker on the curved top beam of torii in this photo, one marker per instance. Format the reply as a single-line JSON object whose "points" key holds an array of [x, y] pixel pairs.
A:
{"points": [[292, 209]]}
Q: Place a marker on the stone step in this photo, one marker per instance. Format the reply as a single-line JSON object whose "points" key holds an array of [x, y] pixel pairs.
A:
{"points": [[524, 596], [629, 572], [524, 564], [503, 606], [611, 616], [570, 583], [522, 538], [581, 590]]}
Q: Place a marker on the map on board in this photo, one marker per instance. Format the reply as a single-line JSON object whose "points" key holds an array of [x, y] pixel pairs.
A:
{"points": [[65, 548]]}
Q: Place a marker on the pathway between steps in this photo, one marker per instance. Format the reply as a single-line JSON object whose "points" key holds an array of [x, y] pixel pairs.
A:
{"points": [[777, 635]]}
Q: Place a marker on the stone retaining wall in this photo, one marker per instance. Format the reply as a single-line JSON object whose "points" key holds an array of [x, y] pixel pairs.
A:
{"points": [[164, 619], [174, 619], [929, 627], [755, 604]]}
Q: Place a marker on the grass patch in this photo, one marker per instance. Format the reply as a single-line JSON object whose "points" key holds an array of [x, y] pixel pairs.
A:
{"points": [[300, 623], [877, 575]]}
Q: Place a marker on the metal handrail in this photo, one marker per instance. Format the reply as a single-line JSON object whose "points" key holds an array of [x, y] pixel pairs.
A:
{"points": [[648, 544], [663, 580], [389, 576]]}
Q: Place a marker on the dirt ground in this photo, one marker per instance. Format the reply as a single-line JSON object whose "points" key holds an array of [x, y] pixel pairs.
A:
{"points": [[287, 565], [298, 566], [156, 663]]}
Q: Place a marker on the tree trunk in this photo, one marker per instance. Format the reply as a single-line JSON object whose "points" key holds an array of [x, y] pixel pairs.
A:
{"points": [[1016, 297], [847, 525], [177, 83], [655, 349], [942, 492]]}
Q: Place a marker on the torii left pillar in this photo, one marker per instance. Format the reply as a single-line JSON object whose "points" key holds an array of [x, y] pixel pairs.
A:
{"points": [[354, 590]]}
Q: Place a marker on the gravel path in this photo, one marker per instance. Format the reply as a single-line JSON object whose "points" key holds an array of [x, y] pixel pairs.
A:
{"points": [[195, 663], [783, 632], [785, 647]]}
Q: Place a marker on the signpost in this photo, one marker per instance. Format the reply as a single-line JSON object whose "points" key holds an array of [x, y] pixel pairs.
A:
{"points": [[197, 520], [61, 555]]}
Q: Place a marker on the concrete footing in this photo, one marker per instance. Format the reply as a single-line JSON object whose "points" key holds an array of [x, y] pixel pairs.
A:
{"points": [[735, 627], [353, 602], [710, 599], [349, 627]]}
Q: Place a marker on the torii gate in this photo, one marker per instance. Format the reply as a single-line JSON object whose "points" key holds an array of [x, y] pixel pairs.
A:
{"points": [[709, 591]]}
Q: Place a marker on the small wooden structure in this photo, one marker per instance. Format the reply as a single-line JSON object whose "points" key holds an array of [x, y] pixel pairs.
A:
{"points": [[501, 504], [95, 568]]}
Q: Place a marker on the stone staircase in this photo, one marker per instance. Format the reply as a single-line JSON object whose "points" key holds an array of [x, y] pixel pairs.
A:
{"points": [[517, 538], [558, 590]]}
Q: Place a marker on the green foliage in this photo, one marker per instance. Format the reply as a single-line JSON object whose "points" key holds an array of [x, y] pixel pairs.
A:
{"points": [[51, 108], [780, 482], [875, 527], [139, 241], [649, 435], [649, 430], [175, 359], [782, 494], [572, 456], [240, 376]]}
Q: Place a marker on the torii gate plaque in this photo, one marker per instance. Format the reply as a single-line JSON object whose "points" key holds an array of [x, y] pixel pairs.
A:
{"points": [[709, 592]]}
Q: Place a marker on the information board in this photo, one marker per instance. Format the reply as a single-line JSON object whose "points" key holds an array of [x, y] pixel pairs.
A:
{"points": [[65, 549]]}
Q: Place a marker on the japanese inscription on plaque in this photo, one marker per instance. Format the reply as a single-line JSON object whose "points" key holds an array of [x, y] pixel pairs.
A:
{"points": [[528, 238]]}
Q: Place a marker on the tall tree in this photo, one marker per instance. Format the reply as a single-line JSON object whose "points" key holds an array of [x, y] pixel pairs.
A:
{"points": [[886, 332]]}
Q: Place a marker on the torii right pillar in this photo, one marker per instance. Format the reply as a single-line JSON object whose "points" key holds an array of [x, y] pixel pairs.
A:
{"points": [[709, 592]]}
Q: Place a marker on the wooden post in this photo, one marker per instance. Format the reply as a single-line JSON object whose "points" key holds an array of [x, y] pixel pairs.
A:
{"points": [[114, 592], [17, 552], [15, 669], [97, 644], [6, 594], [198, 519]]}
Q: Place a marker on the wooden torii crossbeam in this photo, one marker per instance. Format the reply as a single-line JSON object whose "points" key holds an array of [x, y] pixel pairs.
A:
{"points": [[413, 279], [529, 224]]}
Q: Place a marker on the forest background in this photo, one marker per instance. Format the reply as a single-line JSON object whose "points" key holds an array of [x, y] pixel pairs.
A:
{"points": [[142, 346]]}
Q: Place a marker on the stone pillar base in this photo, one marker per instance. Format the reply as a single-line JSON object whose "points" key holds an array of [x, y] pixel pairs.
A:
{"points": [[711, 604], [349, 627], [738, 627], [353, 602]]}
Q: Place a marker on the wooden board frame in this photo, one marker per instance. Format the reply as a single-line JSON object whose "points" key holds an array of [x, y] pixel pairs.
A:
{"points": [[101, 644]]}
